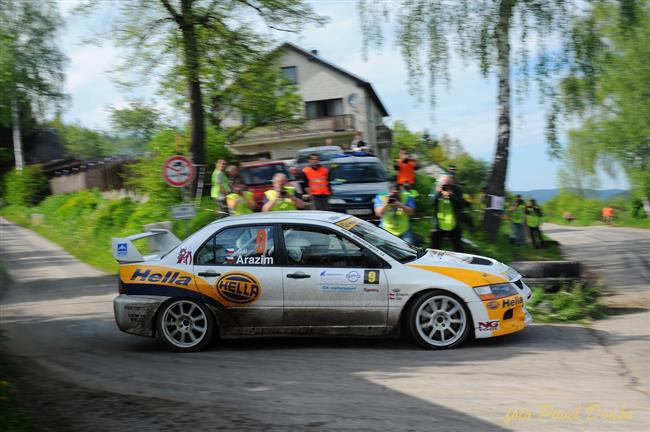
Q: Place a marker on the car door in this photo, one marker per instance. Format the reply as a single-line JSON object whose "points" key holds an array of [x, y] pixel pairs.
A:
{"points": [[237, 268], [330, 281]]}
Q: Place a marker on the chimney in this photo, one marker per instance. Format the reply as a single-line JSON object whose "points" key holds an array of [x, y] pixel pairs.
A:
{"points": [[314, 52]]}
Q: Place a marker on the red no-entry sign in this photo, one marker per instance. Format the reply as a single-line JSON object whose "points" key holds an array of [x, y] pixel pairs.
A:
{"points": [[178, 171]]}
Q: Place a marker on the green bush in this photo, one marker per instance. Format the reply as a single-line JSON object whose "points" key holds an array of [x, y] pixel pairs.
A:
{"points": [[586, 211], [576, 302], [27, 187]]}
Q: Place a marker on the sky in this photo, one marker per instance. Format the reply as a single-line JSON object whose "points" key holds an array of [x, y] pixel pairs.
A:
{"points": [[465, 110]]}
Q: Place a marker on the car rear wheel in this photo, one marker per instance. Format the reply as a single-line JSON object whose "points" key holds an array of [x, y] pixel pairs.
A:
{"points": [[439, 320], [185, 325]]}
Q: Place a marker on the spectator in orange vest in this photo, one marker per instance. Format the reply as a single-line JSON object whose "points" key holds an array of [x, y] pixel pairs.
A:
{"points": [[608, 215], [405, 168], [318, 184]]}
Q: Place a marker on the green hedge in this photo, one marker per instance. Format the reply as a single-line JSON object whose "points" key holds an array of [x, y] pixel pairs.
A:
{"points": [[25, 188], [84, 222]]}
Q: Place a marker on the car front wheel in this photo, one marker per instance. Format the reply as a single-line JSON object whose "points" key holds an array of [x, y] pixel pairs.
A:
{"points": [[439, 320], [185, 325]]}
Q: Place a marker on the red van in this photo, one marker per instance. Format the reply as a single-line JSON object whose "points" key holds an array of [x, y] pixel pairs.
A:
{"points": [[258, 176]]}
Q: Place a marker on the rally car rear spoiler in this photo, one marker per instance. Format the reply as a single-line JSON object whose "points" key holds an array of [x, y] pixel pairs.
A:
{"points": [[124, 251]]}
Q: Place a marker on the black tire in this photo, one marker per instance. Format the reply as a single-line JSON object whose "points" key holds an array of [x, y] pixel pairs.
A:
{"points": [[442, 321], [184, 325]]}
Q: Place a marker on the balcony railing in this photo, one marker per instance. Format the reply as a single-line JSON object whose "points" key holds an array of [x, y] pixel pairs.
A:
{"points": [[339, 123]]}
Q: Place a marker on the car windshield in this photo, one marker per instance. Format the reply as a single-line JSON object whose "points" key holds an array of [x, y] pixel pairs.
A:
{"points": [[259, 175], [357, 172], [323, 155], [381, 239]]}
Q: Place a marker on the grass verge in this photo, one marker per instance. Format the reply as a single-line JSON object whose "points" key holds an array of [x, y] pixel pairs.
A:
{"points": [[501, 249], [83, 223], [14, 417], [573, 303]]}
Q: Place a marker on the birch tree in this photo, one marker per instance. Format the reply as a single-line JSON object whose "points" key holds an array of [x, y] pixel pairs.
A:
{"points": [[31, 64], [496, 34]]}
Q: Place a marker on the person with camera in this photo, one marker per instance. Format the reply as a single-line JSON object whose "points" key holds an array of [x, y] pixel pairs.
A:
{"points": [[394, 209], [405, 168], [448, 209], [282, 197], [240, 201]]}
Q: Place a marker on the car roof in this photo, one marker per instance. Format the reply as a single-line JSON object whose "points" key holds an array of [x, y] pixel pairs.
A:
{"points": [[261, 163], [352, 159], [287, 216], [321, 148]]}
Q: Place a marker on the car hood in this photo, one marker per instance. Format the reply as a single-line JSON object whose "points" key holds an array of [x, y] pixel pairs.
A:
{"points": [[473, 270], [356, 189]]}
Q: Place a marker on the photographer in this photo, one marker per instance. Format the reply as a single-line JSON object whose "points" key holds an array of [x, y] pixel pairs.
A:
{"points": [[447, 216], [240, 201], [394, 209], [281, 197]]}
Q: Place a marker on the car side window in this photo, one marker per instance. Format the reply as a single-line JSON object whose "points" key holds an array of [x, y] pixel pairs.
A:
{"points": [[239, 246], [318, 247]]}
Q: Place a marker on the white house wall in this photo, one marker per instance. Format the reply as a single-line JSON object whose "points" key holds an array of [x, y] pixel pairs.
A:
{"points": [[319, 82]]}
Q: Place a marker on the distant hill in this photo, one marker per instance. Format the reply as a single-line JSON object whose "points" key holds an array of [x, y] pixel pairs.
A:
{"points": [[543, 195]]}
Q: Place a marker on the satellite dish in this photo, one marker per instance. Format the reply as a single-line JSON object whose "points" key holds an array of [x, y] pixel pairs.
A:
{"points": [[353, 99]]}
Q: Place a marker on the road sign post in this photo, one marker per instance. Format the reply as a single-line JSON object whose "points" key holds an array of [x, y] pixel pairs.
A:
{"points": [[178, 171]]}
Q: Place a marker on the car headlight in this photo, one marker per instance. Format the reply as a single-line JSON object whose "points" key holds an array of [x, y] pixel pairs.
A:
{"points": [[336, 201], [493, 292]]}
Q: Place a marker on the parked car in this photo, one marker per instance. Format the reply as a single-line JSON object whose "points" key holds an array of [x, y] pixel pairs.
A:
{"points": [[325, 154], [355, 181], [310, 273], [258, 176]]}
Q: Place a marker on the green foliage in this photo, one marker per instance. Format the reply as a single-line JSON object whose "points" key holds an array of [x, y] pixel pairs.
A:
{"points": [[573, 303], [85, 143], [26, 187], [215, 143], [587, 211], [210, 47], [146, 175], [14, 415], [135, 125], [472, 173], [603, 90], [403, 138], [84, 222], [31, 65]]}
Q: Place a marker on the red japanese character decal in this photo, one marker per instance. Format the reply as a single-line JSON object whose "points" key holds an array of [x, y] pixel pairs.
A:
{"points": [[184, 256]]}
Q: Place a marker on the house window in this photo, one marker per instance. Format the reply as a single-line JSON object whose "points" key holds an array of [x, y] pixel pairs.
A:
{"points": [[290, 74], [324, 108]]}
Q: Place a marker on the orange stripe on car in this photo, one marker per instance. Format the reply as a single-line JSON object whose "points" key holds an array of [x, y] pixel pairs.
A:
{"points": [[472, 278]]}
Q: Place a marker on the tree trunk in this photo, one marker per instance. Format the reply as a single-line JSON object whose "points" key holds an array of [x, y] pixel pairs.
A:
{"points": [[191, 52], [18, 141], [497, 183]]}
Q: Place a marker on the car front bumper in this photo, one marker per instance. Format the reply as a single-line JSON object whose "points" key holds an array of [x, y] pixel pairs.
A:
{"points": [[135, 313]]}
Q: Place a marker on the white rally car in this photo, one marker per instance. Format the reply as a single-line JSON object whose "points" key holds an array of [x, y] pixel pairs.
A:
{"points": [[310, 273]]}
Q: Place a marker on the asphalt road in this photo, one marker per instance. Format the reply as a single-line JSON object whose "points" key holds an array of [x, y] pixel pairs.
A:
{"points": [[80, 373], [619, 257]]}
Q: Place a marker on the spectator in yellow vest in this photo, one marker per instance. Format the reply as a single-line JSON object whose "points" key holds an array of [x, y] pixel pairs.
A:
{"points": [[240, 201], [447, 217], [394, 209], [282, 197], [533, 221], [220, 185], [517, 217]]}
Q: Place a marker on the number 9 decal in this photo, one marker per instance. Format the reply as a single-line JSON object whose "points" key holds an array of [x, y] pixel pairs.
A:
{"points": [[371, 277]]}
